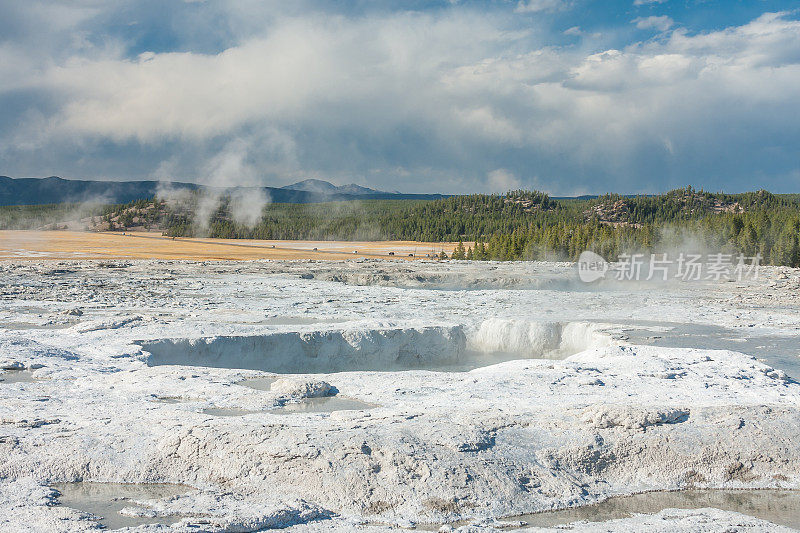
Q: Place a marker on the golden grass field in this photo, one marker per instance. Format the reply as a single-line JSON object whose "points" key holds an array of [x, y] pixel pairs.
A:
{"points": [[143, 245]]}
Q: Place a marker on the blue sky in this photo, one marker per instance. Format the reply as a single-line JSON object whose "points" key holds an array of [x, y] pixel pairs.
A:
{"points": [[566, 96]]}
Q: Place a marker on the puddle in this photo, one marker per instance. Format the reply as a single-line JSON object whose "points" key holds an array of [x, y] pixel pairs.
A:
{"points": [[322, 405], [18, 376], [781, 352], [778, 506], [105, 500], [328, 404], [30, 310], [258, 383]]}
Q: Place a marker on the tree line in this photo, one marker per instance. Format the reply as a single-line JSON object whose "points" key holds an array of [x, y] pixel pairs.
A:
{"points": [[529, 225], [518, 225]]}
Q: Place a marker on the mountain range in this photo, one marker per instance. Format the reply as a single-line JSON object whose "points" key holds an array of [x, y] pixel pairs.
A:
{"points": [[53, 190]]}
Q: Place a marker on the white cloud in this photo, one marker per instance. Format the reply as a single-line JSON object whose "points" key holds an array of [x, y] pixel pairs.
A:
{"points": [[647, 2], [297, 70], [536, 6], [660, 23]]}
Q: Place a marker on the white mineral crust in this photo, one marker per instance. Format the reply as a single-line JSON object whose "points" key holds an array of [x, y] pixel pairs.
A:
{"points": [[556, 411]]}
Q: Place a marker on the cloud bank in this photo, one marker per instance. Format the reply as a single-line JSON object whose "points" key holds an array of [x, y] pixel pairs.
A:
{"points": [[449, 100]]}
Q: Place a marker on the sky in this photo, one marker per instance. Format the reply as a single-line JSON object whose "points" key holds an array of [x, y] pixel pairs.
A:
{"points": [[453, 96]]}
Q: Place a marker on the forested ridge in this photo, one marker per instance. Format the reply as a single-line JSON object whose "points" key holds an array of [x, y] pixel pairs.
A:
{"points": [[517, 225]]}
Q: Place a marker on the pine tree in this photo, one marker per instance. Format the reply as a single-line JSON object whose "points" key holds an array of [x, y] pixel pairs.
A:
{"points": [[459, 253]]}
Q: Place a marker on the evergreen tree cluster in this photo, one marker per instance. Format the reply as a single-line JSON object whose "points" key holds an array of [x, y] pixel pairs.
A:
{"points": [[527, 225]]}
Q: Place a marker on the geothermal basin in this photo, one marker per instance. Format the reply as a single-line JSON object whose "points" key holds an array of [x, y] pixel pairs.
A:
{"points": [[369, 395]]}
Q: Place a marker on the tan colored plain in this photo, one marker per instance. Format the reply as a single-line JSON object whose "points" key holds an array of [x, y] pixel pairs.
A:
{"points": [[143, 245]]}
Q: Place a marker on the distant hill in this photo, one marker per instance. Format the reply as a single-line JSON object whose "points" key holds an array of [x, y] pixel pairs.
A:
{"points": [[324, 187], [54, 190]]}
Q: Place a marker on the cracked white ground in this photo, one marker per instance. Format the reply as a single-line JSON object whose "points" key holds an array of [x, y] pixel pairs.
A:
{"points": [[480, 391]]}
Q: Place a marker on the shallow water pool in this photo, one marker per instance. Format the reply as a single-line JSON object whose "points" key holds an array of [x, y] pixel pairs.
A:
{"points": [[322, 405], [778, 506], [18, 376], [779, 351], [106, 500], [327, 404]]}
